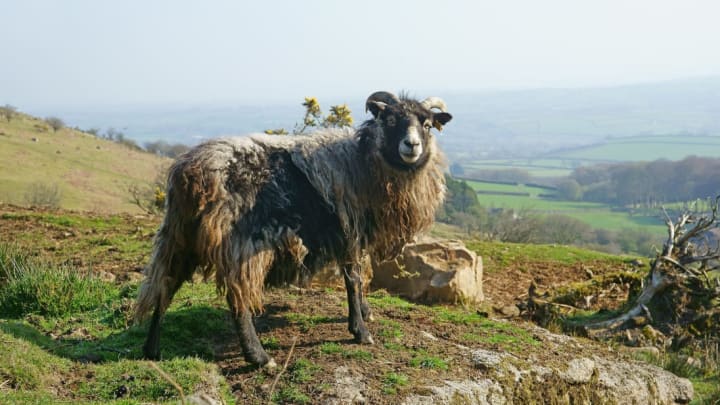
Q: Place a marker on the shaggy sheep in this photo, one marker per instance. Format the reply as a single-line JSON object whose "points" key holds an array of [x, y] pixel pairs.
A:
{"points": [[271, 210]]}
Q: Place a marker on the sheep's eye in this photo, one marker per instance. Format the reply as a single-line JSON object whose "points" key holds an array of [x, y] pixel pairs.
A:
{"points": [[390, 121], [427, 126]]}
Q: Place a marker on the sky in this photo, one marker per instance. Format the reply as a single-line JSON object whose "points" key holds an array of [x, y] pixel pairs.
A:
{"points": [[90, 53]]}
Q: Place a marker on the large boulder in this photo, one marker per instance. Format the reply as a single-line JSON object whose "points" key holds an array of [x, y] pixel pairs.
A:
{"points": [[433, 271]]}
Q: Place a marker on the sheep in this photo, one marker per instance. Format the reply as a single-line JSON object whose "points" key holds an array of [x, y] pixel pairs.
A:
{"points": [[270, 210]]}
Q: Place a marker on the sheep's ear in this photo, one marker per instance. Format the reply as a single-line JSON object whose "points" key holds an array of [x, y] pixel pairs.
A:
{"points": [[375, 107], [440, 119]]}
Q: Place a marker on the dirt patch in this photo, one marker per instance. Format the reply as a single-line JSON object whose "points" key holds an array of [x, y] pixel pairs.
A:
{"points": [[510, 286]]}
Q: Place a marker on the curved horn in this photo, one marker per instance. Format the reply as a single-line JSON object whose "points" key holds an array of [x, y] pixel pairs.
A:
{"points": [[383, 97], [434, 102]]}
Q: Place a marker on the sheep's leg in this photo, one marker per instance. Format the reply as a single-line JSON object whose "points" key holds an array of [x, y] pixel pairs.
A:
{"points": [[356, 302], [151, 348], [365, 308], [251, 346], [185, 266]]}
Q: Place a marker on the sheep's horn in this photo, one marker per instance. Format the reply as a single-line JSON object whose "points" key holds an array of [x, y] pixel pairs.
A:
{"points": [[383, 97], [434, 102]]}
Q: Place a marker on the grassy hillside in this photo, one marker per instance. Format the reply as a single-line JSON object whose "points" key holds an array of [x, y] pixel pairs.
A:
{"points": [[76, 343], [91, 173]]}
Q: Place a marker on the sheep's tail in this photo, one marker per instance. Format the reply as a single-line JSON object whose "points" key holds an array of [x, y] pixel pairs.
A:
{"points": [[174, 258]]}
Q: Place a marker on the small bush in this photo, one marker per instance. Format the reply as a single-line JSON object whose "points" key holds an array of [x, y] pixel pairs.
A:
{"points": [[30, 287], [55, 123], [43, 195]]}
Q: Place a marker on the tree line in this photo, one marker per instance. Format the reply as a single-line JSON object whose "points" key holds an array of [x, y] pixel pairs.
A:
{"points": [[644, 184]]}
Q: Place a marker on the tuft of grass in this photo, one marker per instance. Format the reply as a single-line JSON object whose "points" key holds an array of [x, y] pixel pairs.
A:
{"points": [[332, 348], [30, 287], [381, 299], [305, 322], [303, 370], [390, 329], [457, 316], [424, 360], [392, 381], [290, 394], [392, 346], [270, 342]]}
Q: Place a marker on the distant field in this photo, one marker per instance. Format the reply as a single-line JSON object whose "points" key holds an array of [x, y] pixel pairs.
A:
{"points": [[626, 149], [507, 188], [646, 148], [536, 167], [597, 215]]}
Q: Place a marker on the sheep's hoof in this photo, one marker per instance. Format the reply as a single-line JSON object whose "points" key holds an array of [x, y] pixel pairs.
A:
{"points": [[270, 365], [364, 339]]}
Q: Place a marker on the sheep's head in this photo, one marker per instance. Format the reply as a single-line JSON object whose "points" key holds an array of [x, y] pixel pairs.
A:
{"points": [[404, 136]]}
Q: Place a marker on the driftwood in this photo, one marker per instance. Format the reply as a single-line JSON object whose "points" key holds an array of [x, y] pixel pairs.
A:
{"points": [[678, 289]]}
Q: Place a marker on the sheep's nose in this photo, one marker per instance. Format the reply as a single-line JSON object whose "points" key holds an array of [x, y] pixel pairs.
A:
{"points": [[411, 143]]}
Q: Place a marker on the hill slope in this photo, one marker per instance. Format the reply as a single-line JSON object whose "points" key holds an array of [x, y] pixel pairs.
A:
{"points": [[424, 354], [91, 173]]}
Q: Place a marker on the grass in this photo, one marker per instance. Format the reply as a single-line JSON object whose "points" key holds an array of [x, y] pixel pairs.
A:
{"points": [[424, 360], [36, 288], [392, 381], [68, 333], [597, 215], [497, 256], [305, 322], [705, 376], [332, 348], [89, 241]]}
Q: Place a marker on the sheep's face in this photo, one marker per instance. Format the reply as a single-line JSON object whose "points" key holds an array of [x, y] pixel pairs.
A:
{"points": [[406, 141]]}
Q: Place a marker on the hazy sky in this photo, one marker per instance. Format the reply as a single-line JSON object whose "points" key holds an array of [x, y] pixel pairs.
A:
{"points": [[95, 53]]}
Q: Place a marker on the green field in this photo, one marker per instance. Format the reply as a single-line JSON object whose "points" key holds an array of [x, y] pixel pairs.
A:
{"points": [[646, 148], [508, 188], [597, 215], [536, 167], [626, 149]]}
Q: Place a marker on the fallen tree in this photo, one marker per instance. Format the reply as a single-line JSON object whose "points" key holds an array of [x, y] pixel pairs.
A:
{"points": [[680, 296]]}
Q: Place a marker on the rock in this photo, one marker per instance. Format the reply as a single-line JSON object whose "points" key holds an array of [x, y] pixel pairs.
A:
{"points": [[508, 311], [131, 276], [481, 392], [348, 388], [433, 271], [579, 371], [106, 276], [486, 359], [428, 336], [557, 377], [202, 398]]}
